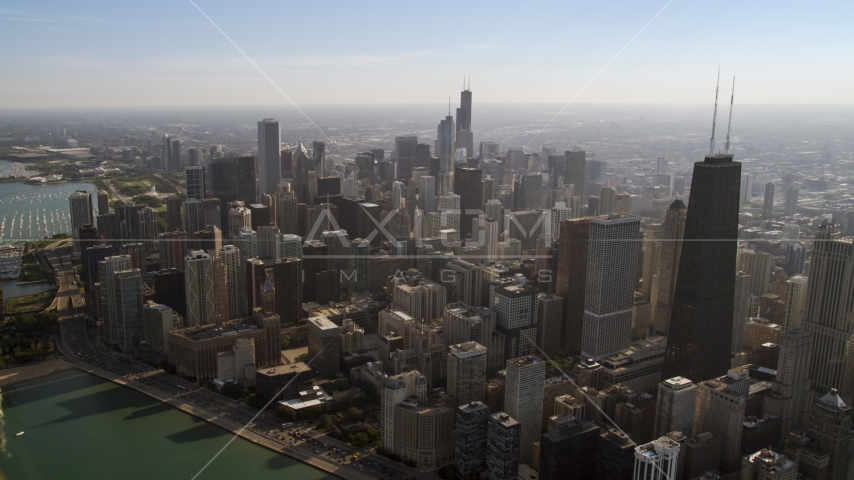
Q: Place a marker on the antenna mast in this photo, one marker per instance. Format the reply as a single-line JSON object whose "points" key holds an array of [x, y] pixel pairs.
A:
{"points": [[729, 124], [715, 117]]}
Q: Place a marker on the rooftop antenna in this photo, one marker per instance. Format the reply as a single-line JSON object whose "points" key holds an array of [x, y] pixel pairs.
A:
{"points": [[464, 82], [729, 125], [715, 117], [449, 105]]}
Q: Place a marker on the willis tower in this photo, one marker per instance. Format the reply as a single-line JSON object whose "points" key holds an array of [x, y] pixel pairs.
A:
{"points": [[465, 139]]}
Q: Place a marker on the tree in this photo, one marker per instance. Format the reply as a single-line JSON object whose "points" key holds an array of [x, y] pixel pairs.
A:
{"points": [[254, 401], [285, 341], [353, 413], [325, 422], [286, 413], [360, 440]]}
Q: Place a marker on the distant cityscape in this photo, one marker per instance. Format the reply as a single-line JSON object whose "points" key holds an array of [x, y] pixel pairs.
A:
{"points": [[586, 299]]}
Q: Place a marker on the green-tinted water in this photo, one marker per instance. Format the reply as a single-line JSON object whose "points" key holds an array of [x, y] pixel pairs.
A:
{"points": [[78, 426]]}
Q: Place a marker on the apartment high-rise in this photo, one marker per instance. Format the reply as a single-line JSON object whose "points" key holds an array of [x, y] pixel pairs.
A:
{"points": [[827, 313], [109, 308], [610, 286], [80, 204], [158, 320], [573, 253], [768, 204], [700, 332], [126, 289], [677, 398], [269, 163], [394, 390], [523, 400], [503, 445], [230, 257], [790, 388], [657, 460], [467, 372], [470, 445], [199, 287], [767, 464], [758, 265], [668, 266], [606, 200], [796, 296]]}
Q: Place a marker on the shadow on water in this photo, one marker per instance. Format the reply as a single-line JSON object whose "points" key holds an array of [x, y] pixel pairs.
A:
{"points": [[199, 432], [282, 462], [148, 411], [100, 402], [54, 385]]}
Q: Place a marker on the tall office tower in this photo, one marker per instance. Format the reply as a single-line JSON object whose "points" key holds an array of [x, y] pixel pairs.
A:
{"points": [[302, 167], [795, 259], [286, 212], [445, 136], [515, 305], [677, 398], [233, 179], [323, 346], [404, 156], [559, 213], [495, 210], [103, 202], [173, 248], [790, 389], [615, 456], [269, 164], [829, 424], [745, 189], [195, 181], [157, 320], [767, 464], [791, 207], [661, 165], [194, 216], [165, 153], [169, 290], [575, 171], [193, 157], [549, 322], [721, 403], [700, 339], [260, 215], [740, 311], [827, 312], [230, 256], [610, 286], [266, 235], [606, 200], [489, 150], [287, 273], [467, 372], [796, 296], [503, 447], [288, 246], [175, 156], [768, 204], [523, 400], [465, 138], [213, 212], [109, 309], [238, 217], [199, 286], [174, 218], [318, 157], [426, 194], [623, 204], [470, 444], [573, 253], [80, 203], [668, 268], [570, 448], [657, 460], [392, 391], [467, 184], [463, 282], [127, 314], [596, 171], [758, 265]]}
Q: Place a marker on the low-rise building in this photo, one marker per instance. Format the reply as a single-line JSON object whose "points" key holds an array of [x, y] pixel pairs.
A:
{"points": [[282, 382]]}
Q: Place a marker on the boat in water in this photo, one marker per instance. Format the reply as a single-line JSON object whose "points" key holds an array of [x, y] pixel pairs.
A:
{"points": [[19, 434]]}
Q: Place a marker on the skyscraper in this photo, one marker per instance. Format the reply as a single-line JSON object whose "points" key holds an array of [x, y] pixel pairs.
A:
{"points": [[194, 177], [700, 337], [549, 323], [467, 372], [768, 204], [199, 286], [467, 184], [573, 252], [829, 424], [503, 444], [80, 204], [404, 153], [657, 460], [758, 265], [796, 296], [721, 404], [790, 388], [465, 138], [827, 314], [570, 448], [740, 311], [610, 286], [576, 171], [445, 135], [109, 308], [174, 218], [791, 207], [523, 400], [668, 267], [470, 444], [127, 292], [269, 164], [287, 273], [230, 256], [677, 398], [515, 305], [323, 346], [165, 154]]}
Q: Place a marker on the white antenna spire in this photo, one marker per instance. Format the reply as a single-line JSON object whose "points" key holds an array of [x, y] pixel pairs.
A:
{"points": [[715, 117], [729, 124]]}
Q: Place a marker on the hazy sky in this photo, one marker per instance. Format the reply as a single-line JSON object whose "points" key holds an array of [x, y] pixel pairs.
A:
{"points": [[153, 53]]}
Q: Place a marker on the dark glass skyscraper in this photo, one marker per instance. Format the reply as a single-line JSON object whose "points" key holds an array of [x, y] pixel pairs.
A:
{"points": [[701, 320], [468, 185]]}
